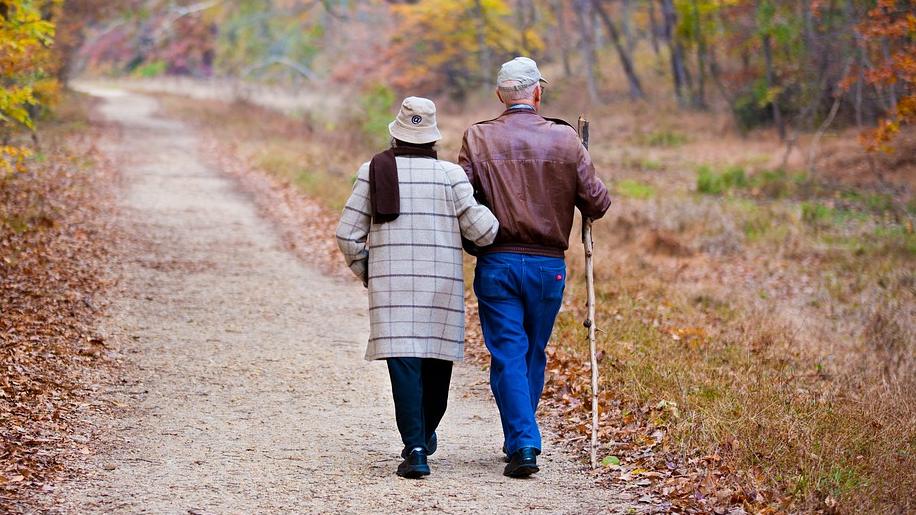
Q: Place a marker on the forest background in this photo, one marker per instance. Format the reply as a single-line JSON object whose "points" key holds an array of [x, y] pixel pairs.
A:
{"points": [[756, 277]]}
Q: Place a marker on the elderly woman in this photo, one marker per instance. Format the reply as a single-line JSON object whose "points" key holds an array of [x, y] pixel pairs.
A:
{"points": [[401, 234]]}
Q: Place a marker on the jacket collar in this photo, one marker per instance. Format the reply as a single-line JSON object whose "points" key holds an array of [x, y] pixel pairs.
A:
{"points": [[517, 110]]}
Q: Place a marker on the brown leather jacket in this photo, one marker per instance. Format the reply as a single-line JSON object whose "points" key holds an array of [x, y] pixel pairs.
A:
{"points": [[531, 172]]}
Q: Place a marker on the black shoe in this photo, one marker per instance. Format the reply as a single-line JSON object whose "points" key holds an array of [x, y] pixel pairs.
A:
{"points": [[523, 463], [414, 466]]}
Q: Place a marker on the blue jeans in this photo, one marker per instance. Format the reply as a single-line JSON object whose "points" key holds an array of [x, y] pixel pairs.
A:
{"points": [[519, 297]]}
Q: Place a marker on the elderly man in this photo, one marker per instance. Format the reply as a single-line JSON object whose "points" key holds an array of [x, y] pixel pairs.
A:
{"points": [[531, 172]]}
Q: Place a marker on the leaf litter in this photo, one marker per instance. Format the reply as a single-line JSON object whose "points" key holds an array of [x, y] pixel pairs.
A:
{"points": [[55, 240]]}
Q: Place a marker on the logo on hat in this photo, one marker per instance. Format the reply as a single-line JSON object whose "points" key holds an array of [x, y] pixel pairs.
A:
{"points": [[416, 119]]}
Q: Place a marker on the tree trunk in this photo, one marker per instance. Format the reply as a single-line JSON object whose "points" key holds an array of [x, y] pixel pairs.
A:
{"points": [[653, 29], [525, 14], [892, 87], [715, 74], [771, 83], [482, 48], [699, 97], [678, 71], [626, 25], [636, 90], [863, 111], [586, 29], [559, 10]]}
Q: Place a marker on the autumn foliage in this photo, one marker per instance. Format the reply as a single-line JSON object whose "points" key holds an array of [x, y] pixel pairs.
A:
{"points": [[888, 35], [453, 46], [27, 77]]}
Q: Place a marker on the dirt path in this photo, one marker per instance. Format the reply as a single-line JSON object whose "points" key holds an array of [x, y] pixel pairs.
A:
{"points": [[248, 391]]}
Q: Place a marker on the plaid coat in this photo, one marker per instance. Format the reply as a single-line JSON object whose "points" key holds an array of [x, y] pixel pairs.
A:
{"points": [[413, 265]]}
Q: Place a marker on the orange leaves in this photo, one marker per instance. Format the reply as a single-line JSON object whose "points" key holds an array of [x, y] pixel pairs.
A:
{"points": [[690, 336], [879, 138], [888, 36]]}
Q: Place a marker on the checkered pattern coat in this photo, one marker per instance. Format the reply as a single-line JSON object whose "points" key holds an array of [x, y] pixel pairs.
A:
{"points": [[413, 265]]}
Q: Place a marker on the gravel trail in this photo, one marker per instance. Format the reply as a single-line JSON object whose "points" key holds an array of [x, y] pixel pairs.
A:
{"points": [[248, 392]]}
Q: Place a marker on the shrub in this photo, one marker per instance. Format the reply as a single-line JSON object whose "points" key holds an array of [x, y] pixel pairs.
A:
{"points": [[151, 69], [750, 108], [634, 189], [815, 212], [376, 114], [781, 183], [712, 183], [874, 202]]}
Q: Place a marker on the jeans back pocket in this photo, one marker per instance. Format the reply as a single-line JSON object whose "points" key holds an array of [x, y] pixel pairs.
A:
{"points": [[553, 282], [493, 282]]}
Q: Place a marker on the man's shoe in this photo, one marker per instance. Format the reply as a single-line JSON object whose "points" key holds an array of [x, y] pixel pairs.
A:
{"points": [[522, 463], [414, 466], [505, 454]]}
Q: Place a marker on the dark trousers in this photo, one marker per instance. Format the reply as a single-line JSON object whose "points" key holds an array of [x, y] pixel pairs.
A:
{"points": [[420, 388]]}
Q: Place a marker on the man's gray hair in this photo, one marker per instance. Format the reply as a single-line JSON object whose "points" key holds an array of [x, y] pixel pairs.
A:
{"points": [[510, 95]]}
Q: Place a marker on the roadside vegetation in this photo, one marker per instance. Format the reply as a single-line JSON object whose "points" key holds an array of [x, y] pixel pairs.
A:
{"points": [[756, 323], [756, 274], [55, 238]]}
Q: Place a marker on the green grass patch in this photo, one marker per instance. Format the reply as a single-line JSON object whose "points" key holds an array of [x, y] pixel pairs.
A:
{"points": [[650, 165], [757, 228], [821, 214], [878, 203], [663, 138], [815, 213], [773, 184], [634, 189], [779, 183], [643, 164], [758, 222], [712, 182], [151, 69], [896, 239]]}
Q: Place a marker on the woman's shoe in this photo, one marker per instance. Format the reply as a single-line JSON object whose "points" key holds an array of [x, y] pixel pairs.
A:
{"points": [[414, 466]]}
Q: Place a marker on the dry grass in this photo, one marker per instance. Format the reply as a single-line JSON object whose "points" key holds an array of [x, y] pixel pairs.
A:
{"points": [[778, 316], [746, 391], [758, 344], [316, 160]]}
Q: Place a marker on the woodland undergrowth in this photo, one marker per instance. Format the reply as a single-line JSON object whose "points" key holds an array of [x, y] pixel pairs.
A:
{"points": [[755, 338]]}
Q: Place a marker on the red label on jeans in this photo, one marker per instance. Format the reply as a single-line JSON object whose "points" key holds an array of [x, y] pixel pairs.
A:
{"points": [[559, 277]]}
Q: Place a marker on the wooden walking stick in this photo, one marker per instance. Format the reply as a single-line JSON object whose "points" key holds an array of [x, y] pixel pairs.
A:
{"points": [[589, 322]]}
